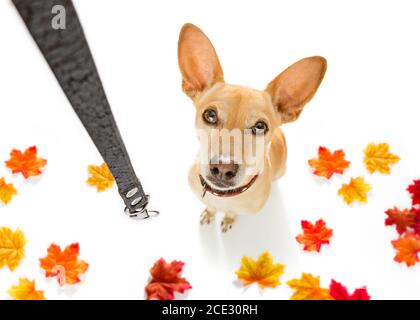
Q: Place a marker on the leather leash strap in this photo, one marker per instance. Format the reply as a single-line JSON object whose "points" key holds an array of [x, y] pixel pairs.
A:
{"points": [[69, 57]]}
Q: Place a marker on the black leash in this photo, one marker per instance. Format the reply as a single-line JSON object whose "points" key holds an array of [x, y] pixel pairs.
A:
{"points": [[69, 57]]}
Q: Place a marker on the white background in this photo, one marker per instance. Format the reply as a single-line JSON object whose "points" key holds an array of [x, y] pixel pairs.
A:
{"points": [[369, 94]]}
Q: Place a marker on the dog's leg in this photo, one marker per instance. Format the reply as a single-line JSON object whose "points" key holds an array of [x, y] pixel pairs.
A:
{"points": [[228, 221], [207, 216]]}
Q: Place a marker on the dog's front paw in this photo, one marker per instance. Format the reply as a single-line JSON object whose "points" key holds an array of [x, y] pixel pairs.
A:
{"points": [[227, 222], [207, 217]]}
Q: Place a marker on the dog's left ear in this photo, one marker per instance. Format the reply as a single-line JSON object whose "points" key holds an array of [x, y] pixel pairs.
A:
{"points": [[296, 86]]}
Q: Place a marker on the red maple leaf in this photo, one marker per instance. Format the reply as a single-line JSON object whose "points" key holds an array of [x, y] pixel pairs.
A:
{"points": [[314, 235], [402, 219], [340, 292], [166, 281], [329, 163], [414, 189]]}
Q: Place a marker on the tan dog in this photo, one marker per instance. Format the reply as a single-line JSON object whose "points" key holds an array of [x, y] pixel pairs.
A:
{"points": [[221, 182]]}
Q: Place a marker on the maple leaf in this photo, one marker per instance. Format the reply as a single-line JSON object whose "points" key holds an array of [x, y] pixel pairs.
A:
{"points": [[100, 177], [308, 288], [329, 163], [402, 219], [7, 191], [339, 292], [166, 280], [378, 158], [356, 190], [263, 271], [64, 264], [314, 235], [25, 290], [11, 247], [414, 190], [408, 247], [416, 227], [26, 163]]}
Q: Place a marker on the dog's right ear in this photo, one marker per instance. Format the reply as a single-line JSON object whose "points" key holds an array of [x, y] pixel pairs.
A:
{"points": [[198, 61]]}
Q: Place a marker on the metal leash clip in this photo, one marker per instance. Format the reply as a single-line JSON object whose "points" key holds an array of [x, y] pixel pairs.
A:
{"points": [[137, 208]]}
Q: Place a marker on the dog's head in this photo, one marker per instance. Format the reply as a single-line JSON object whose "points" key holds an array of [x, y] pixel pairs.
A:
{"points": [[233, 122]]}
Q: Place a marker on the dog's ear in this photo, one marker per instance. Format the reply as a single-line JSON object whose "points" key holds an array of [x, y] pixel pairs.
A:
{"points": [[296, 86], [198, 61]]}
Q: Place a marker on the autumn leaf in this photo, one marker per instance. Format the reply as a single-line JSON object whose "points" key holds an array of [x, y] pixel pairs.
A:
{"points": [[7, 191], [25, 290], [414, 190], [314, 235], [64, 264], [100, 177], [340, 292], [408, 247], [166, 280], [26, 163], [402, 219], [356, 190], [416, 212], [308, 288], [378, 158], [263, 271], [11, 247], [329, 163]]}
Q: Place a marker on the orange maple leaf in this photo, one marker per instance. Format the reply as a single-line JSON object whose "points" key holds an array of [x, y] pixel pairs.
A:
{"points": [[26, 163], [329, 163], [314, 235], [416, 212], [26, 290], [64, 264], [408, 248], [7, 191], [308, 288], [263, 271], [166, 280]]}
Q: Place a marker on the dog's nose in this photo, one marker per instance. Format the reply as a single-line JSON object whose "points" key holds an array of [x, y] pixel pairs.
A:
{"points": [[224, 171]]}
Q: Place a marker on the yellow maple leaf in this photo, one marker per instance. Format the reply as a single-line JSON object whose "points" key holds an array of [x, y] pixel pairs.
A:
{"points": [[263, 271], [100, 177], [356, 190], [11, 247], [378, 158], [7, 191], [25, 290], [308, 288]]}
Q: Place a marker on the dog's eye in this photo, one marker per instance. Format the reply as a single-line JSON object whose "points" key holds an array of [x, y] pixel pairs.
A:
{"points": [[210, 116], [260, 128]]}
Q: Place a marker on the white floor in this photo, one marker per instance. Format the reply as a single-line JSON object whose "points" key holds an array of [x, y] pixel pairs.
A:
{"points": [[370, 94]]}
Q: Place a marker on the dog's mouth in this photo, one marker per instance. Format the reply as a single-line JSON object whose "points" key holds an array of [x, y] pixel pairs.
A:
{"points": [[225, 193]]}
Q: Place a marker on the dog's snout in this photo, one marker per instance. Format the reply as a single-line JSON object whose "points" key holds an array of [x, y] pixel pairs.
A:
{"points": [[224, 171]]}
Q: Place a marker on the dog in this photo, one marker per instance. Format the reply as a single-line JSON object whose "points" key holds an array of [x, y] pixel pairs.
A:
{"points": [[221, 182]]}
